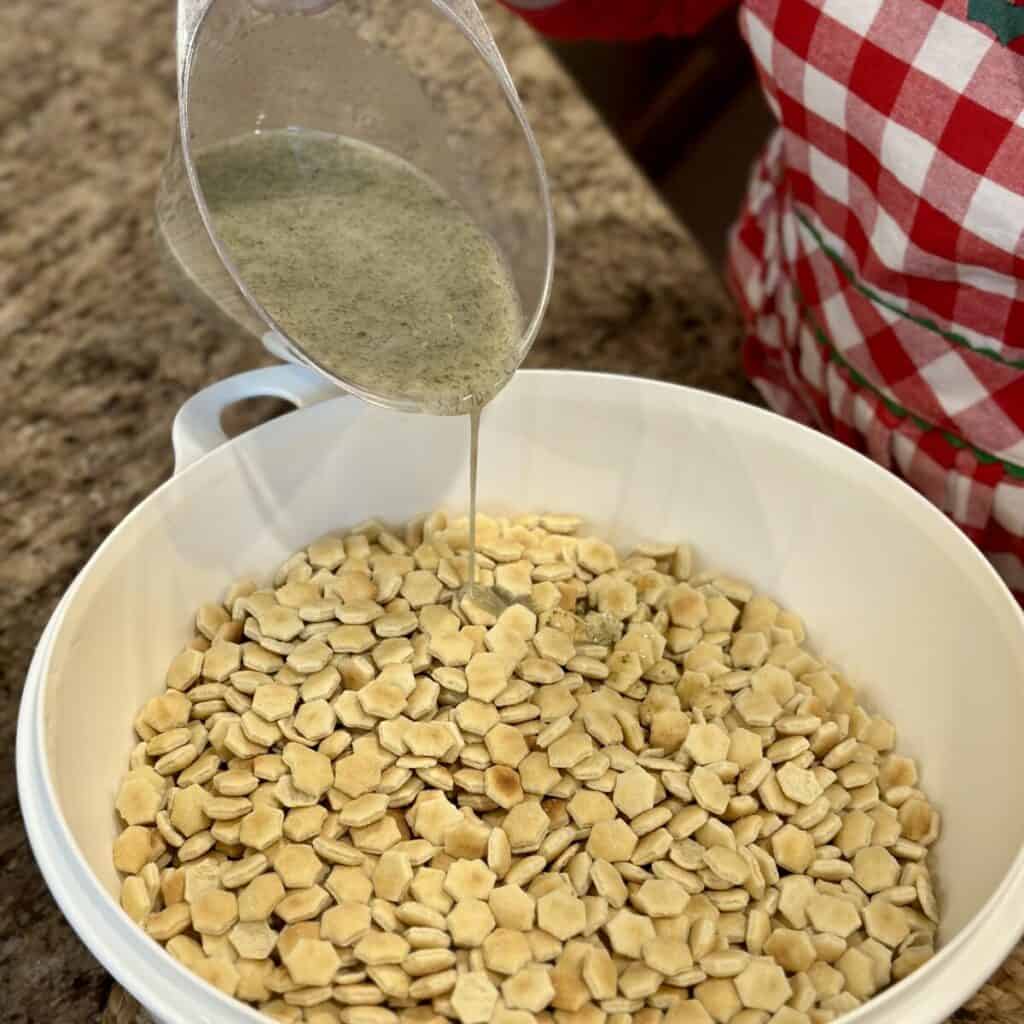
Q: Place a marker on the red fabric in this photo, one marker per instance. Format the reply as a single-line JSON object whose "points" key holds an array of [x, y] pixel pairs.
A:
{"points": [[879, 260], [604, 19]]}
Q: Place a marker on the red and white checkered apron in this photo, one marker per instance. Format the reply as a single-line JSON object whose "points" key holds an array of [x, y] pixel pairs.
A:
{"points": [[879, 257]]}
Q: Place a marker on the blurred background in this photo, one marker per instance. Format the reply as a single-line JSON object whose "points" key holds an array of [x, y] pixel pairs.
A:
{"points": [[690, 113]]}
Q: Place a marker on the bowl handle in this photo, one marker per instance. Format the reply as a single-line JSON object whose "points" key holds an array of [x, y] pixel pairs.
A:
{"points": [[197, 428]]}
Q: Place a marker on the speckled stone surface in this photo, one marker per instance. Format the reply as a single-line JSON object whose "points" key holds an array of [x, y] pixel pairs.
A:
{"points": [[96, 354]]}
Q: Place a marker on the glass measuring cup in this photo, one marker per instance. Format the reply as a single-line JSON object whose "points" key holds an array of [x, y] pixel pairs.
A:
{"points": [[421, 79]]}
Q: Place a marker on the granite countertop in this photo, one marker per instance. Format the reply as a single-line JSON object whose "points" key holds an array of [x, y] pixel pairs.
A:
{"points": [[97, 353]]}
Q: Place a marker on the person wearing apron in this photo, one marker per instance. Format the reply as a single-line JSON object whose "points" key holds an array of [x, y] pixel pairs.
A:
{"points": [[878, 257]]}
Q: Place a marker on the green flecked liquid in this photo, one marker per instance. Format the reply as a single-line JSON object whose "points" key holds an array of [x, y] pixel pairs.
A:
{"points": [[378, 275]]}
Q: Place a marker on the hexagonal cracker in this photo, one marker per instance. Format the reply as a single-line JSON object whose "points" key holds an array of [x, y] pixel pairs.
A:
{"points": [[554, 645], [467, 839], [660, 897], [470, 922], [256, 902], [506, 745], [188, 810], [376, 948], [312, 962], [571, 994], [530, 990], [503, 786], [512, 907], [875, 869], [469, 879], [421, 587], [635, 791], [474, 997], [356, 774], [526, 825], [793, 848], [562, 914], [432, 818], [555, 701], [627, 932], [792, 950], [298, 866], [214, 912], [506, 951], [587, 807], [599, 974], [138, 801], [612, 841], [833, 915], [349, 885], [762, 985], [475, 717], [707, 743], [428, 960], [345, 924], [798, 784], [253, 940], [383, 698], [392, 876], [169, 710], [886, 923], [310, 656], [312, 772], [429, 739], [570, 749], [274, 701], [363, 810], [668, 958], [487, 674], [453, 650], [378, 837], [536, 774], [708, 790]]}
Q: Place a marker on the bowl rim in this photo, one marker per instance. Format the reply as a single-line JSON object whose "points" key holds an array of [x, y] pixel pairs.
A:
{"points": [[35, 782]]}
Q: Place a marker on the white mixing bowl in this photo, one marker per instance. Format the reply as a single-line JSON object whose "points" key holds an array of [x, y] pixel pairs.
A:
{"points": [[889, 589]]}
